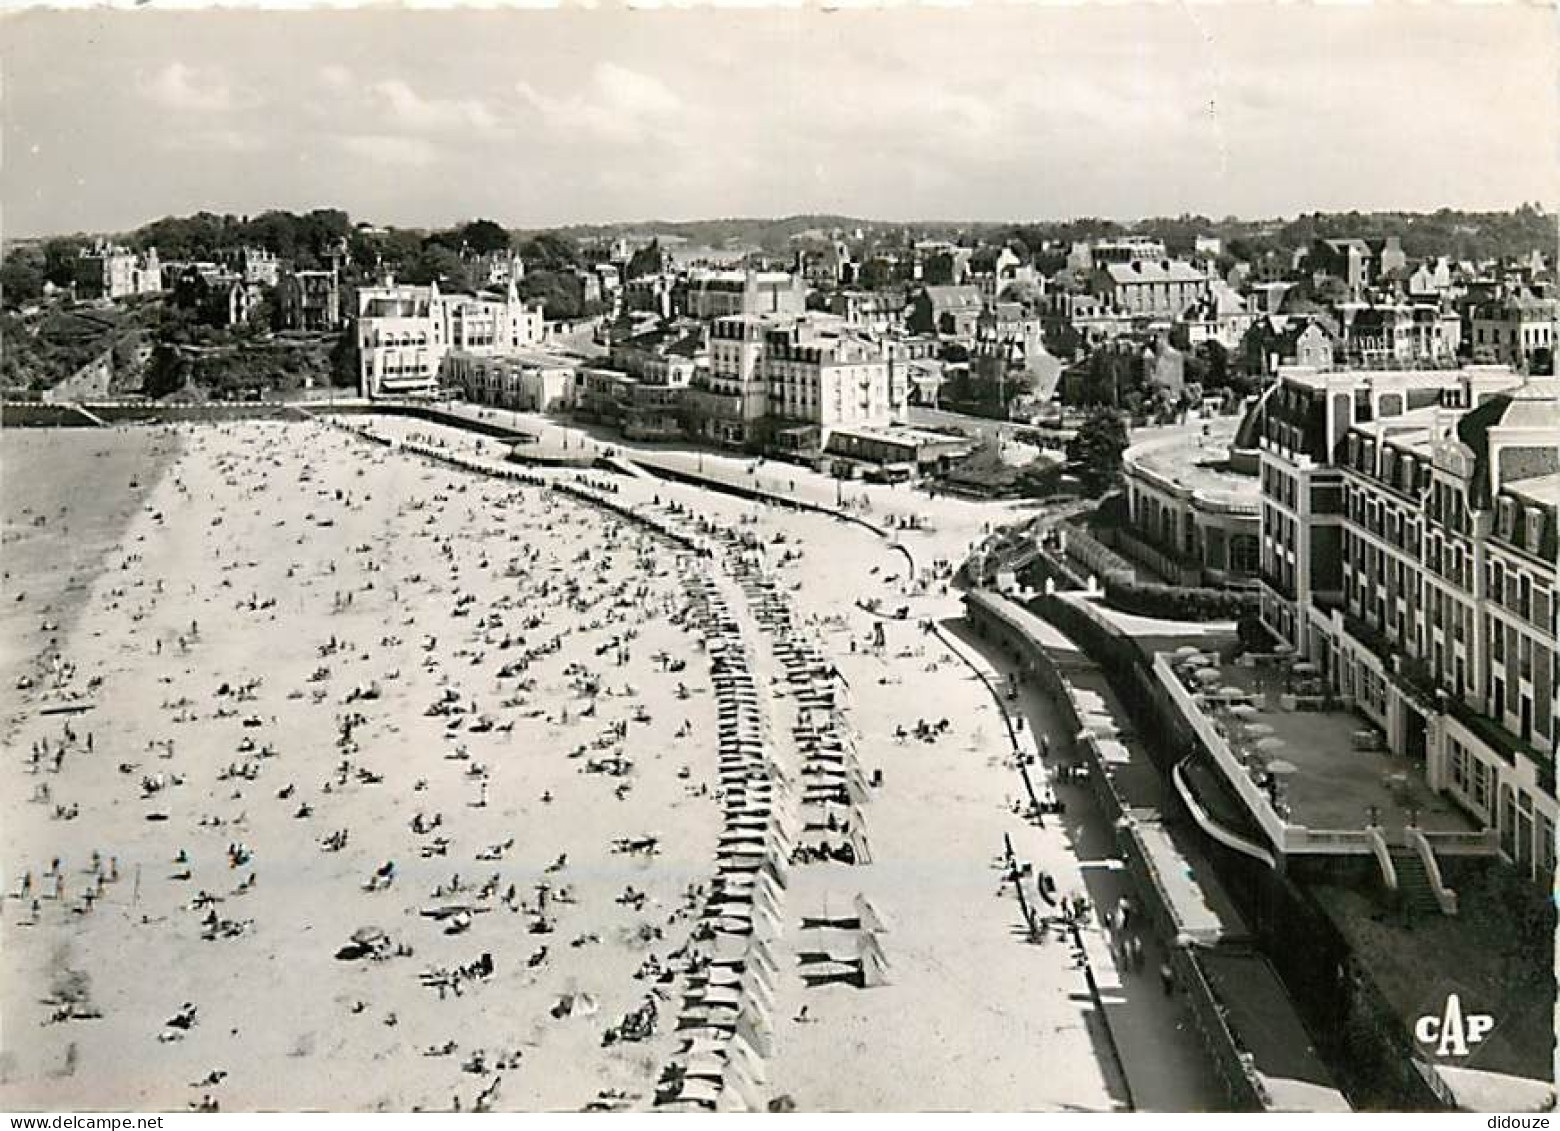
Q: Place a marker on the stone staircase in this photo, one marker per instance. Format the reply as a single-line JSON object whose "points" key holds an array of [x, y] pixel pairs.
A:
{"points": [[1415, 891]]}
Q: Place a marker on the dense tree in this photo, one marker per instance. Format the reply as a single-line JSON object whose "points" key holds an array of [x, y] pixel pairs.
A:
{"points": [[485, 237], [22, 277], [645, 261], [938, 269], [436, 263], [1095, 450], [550, 251], [562, 295], [168, 371], [878, 273], [59, 259], [1214, 364], [1041, 478]]}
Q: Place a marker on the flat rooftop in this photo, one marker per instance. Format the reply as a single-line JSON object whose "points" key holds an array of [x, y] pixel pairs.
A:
{"points": [[1543, 489], [897, 434], [1201, 908], [1198, 461]]}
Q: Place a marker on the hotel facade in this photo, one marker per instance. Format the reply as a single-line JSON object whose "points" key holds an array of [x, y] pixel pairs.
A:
{"points": [[405, 333], [1409, 550]]}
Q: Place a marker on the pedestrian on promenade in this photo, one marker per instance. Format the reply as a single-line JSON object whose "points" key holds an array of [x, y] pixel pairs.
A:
{"points": [[1167, 978]]}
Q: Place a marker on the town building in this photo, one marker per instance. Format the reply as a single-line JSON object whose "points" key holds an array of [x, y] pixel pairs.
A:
{"points": [[951, 311], [650, 294], [1002, 325], [1302, 341], [789, 382], [1445, 633], [525, 382], [1068, 313], [827, 264], [309, 300], [1398, 334], [1357, 263], [404, 333], [877, 311], [1223, 317], [821, 375], [217, 295], [1430, 279], [110, 271], [666, 354], [494, 268], [1192, 518], [993, 270], [708, 294], [1519, 330], [728, 400], [1158, 288], [257, 266], [1087, 257], [1302, 420]]}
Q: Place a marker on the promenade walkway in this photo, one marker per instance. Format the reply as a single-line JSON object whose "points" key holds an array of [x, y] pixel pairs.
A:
{"points": [[1165, 1065]]}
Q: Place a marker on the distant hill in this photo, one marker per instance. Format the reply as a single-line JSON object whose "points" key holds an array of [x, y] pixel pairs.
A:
{"points": [[1452, 232]]}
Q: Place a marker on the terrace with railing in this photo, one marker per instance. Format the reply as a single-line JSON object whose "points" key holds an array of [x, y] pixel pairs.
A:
{"points": [[1317, 780]]}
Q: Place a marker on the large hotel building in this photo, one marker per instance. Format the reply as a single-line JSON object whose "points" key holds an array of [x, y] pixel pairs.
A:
{"points": [[1409, 549], [406, 334]]}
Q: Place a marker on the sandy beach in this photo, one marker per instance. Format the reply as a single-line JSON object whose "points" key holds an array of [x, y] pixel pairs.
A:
{"points": [[410, 788]]}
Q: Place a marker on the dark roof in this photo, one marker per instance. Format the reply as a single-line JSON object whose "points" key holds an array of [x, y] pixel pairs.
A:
{"points": [[961, 296]]}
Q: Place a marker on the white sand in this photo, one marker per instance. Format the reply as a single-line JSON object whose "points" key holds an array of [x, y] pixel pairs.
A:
{"points": [[972, 1017]]}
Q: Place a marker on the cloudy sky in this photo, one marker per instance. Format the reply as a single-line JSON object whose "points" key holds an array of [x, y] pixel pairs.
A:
{"points": [[992, 112]]}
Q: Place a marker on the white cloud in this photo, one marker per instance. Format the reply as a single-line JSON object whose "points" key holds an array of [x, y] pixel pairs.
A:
{"points": [[336, 77], [179, 86], [631, 92], [392, 149], [405, 108], [217, 140], [618, 104]]}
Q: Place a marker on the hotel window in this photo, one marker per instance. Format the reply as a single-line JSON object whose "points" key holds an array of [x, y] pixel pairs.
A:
{"points": [[1460, 775], [1481, 786]]}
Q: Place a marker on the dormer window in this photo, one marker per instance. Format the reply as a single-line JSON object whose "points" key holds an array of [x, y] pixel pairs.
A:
{"points": [[1533, 535], [1507, 519]]}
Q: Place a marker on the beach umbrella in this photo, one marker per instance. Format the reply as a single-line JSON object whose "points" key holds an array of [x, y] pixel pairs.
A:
{"points": [[1270, 743], [1207, 675], [1257, 730], [1230, 691], [1186, 650], [1281, 767], [1243, 711]]}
